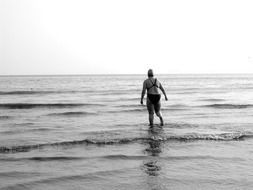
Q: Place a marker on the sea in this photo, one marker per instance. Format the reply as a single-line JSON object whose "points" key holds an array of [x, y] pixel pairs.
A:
{"points": [[91, 132]]}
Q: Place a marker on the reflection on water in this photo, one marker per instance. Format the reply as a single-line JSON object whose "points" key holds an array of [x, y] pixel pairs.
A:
{"points": [[152, 166]]}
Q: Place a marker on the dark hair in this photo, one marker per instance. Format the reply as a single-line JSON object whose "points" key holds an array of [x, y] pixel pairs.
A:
{"points": [[150, 73]]}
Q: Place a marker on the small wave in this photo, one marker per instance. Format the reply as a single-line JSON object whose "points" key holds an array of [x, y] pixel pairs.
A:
{"points": [[69, 158], [116, 157], [129, 106], [41, 129], [25, 92], [178, 105], [90, 176], [128, 110], [181, 125], [134, 110], [141, 108], [132, 99], [10, 132], [211, 137], [138, 108], [53, 158], [2, 117], [116, 92], [124, 157], [212, 100], [202, 157], [98, 142], [17, 174], [19, 131], [38, 105], [79, 113], [26, 148], [230, 106], [42, 92], [173, 109]]}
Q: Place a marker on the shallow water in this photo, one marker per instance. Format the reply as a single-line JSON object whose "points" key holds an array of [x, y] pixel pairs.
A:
{"points": [[90, 132]]}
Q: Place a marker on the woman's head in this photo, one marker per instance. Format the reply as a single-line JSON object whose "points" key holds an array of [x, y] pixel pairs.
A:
{"points": [[150, 73]]}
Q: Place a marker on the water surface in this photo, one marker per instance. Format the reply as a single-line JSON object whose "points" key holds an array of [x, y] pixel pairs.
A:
{"points": [[90, 132]]}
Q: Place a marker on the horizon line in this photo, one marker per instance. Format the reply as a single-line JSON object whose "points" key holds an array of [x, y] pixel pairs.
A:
{"points": [[10, 75]]}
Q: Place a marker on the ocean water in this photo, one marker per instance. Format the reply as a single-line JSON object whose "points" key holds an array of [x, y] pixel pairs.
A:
{"points": [[90, 132]]}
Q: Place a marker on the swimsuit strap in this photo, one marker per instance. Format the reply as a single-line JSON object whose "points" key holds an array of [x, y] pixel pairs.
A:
{"points": [[153, 84]]}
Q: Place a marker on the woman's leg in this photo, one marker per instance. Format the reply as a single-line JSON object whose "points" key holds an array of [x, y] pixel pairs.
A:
{"points": [[158, 112], [150, 108]]}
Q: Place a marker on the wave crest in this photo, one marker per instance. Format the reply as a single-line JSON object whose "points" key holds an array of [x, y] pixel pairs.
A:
{"points": [[78, 113], [4, 117], [230, 106], [98, 142], [43, 105], [40, 92], [28, 92]]}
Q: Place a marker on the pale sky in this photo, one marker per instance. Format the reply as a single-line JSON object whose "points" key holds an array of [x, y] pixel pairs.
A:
{"points": [[125, 37]]}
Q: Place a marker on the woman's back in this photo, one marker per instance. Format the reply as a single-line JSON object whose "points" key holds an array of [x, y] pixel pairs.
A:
{"points": [[152, 85]]}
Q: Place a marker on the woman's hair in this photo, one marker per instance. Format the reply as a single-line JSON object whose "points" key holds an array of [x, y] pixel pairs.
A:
{"points": [[150, 73]]}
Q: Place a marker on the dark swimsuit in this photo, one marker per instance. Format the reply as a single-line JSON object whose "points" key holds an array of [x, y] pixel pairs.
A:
{"points": [[154, 98]]}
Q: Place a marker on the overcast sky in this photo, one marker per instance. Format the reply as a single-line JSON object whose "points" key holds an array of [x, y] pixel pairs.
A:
{"points": [[130, 36]]}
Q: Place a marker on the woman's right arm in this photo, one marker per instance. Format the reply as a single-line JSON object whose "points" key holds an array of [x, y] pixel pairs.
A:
{"points": [[143, 91], [163, 91]]}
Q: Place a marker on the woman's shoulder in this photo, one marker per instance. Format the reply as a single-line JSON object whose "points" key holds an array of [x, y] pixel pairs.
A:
{"points": [[158, 82], [157, 79], [147, 80]]}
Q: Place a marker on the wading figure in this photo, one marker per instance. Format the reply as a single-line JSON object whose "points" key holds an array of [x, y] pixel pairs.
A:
{"points": [[152, 85]]}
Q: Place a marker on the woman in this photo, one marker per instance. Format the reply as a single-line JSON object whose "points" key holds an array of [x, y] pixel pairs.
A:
{"points": [[152, 85]]}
